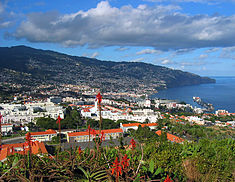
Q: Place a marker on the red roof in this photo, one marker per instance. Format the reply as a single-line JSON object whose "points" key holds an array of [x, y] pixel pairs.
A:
{"points": [[39, 147], [86, 106], [119, 130], [7, 124], [131, 124], [84, 133], [47, 132], [171, 137], [78, 133], [137, 124], [15, 145], [86, 110], [149, 124]]}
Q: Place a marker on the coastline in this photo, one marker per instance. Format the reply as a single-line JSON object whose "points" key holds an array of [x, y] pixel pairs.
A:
{"points": [[221, 93]]}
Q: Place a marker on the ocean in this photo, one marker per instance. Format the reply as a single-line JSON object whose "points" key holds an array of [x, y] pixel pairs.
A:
{"points": [[221, 94]]}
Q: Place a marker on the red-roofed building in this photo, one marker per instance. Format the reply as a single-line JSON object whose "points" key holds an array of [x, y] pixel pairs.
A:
{"points": [[84, 136], [135, 126], [21, 148], [44, 135], [171, 137]]}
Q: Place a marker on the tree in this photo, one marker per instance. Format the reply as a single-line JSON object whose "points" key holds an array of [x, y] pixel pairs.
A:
{"points": [[46, 123], [31, 126], [144, 134]]}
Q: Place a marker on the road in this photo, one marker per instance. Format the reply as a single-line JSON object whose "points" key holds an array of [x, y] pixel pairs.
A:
{"points": [[14, 140]]}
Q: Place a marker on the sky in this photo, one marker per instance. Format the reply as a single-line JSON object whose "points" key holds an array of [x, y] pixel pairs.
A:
{"points": [[197, 36]]}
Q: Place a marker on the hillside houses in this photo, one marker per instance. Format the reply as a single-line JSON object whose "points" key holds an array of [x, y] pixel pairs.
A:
{"points": [[113, 113], [134, 126], [84, 136], [43, 136]]}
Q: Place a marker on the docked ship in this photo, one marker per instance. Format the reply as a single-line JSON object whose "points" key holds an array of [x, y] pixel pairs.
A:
{"points": [[208, 107]]}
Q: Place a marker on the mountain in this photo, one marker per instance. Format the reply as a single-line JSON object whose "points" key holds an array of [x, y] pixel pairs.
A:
{"points": [[26, 65]]}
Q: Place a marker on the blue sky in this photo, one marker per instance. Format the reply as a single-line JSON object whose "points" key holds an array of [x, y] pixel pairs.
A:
{"points": [[191, 35]]}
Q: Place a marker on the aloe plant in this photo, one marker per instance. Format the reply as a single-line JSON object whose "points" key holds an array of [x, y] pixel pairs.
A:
{"points": [[100, 175]]}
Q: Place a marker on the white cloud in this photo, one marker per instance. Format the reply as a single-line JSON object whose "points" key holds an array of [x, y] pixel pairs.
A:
{"points": [[94, 55], [6, 18], [196, 63], [203, 56], [212, 50], [183, 51], [5, 24], [228, 53], [121, 49], [137, 60], [91, 55], [161, 27], [191, 1], [147, 51], [167, 61]]}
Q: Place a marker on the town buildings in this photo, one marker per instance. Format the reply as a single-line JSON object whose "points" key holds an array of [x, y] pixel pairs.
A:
{"points": [[135, 126], [6, 129], [43, 136], [86, 135], [113, 113], [28, 112], [21, 148], [171, 137]]}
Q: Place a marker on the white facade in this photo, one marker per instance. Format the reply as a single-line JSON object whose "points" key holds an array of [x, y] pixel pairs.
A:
{"points": [[25, 113], [84, 136], [145, 103], [6, 128], [195, 119], [44, 135], [218, 112], [109, 112], [143, 112], [135, 126]]}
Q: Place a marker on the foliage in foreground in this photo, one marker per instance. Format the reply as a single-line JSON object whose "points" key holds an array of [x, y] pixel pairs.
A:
{"points": [[206, 160]]}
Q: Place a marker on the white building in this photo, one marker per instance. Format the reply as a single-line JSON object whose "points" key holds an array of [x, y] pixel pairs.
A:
{"points": [[84, 136], [144, 103], [110, 112], [6, 128], [25, 113], [221, 112], [135, 126], [43, 136], [195, 119]]}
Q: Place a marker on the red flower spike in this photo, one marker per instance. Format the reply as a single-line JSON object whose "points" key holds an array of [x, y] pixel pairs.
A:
{"points": [[93, 132], [133, 143], [168, 179], [102, 136], [58, 120], [89, 129], [116, 168], [99, 97], [29, 139], [79, 150], [125, 162]]}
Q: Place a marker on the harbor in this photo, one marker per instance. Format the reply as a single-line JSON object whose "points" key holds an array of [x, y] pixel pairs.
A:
{"points": [[206, 106]]}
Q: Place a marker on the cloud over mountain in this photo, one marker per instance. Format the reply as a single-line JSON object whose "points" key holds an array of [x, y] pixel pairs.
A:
{"points": [[161, 27]]}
